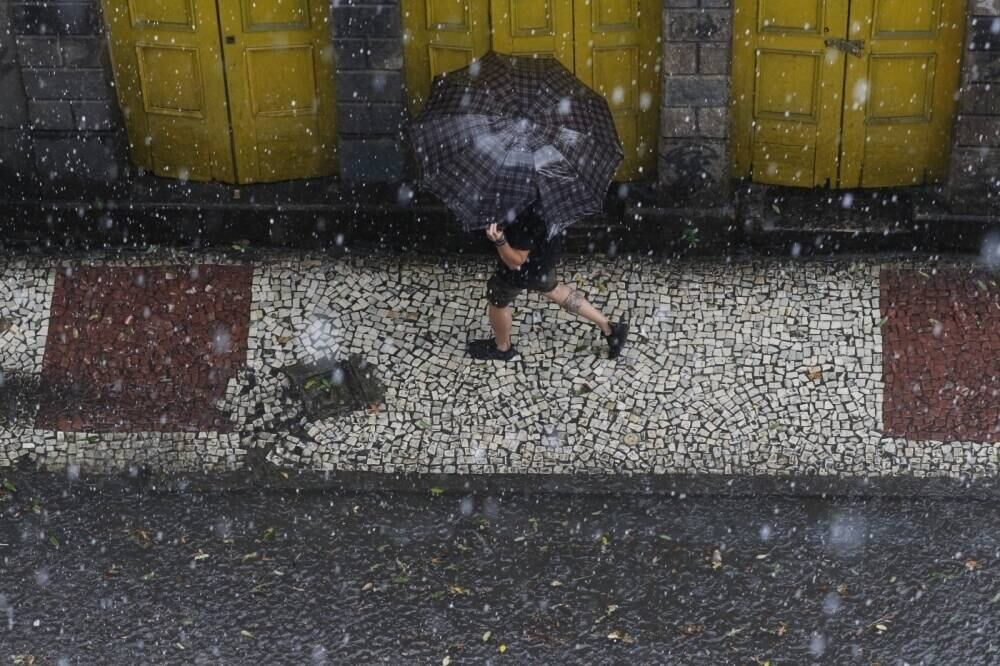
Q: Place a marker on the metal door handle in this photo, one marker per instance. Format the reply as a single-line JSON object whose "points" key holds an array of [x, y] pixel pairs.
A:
{"points": [[855, 47], [230, 39]]}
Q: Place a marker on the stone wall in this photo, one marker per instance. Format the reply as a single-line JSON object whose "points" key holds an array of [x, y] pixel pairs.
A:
{"points": [[371, 105], [15, 147], [975, 161], [70, 117], [694, 133]]}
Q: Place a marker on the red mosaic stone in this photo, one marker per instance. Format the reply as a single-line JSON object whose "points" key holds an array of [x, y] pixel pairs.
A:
{"points": [[941, 355], [145, 349]]}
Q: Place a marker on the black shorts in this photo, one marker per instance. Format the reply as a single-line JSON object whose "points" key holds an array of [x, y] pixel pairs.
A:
{"points": [[504, 286]]}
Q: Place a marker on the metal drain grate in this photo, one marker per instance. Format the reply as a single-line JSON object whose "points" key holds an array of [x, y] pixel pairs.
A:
{"points": [[334, 388]]}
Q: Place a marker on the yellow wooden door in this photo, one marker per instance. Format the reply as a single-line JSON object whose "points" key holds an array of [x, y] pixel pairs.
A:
{"points": [[611, 45], [250, 103], [900, 91], [617, 52], [279, 67], [788, 87], [171, 87], [846, 93], [440, 36], [534, 27]]}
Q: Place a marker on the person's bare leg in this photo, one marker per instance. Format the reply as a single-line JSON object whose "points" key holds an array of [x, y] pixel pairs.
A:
{"points": [[502, 320], [574, 301]]}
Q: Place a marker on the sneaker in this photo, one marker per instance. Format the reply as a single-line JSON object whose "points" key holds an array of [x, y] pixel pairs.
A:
{"points": [[616, 341], [486, 350]]}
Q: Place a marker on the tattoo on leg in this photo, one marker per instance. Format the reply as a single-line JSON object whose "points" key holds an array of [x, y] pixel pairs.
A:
{"points": [[573, 302]]}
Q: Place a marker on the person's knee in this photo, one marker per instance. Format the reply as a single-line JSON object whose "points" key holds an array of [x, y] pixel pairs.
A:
{"points": [[497, 294], [573, 301]]}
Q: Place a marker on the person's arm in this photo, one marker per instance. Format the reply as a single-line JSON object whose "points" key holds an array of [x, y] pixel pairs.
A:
{"points": [[509, 256]]}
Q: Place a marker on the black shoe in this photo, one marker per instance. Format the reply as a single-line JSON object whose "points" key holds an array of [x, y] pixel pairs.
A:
{"points": [[486, 350], [616, 341]]}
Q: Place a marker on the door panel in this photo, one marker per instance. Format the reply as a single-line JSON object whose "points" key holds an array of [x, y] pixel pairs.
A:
{"points": [[169, 78], [440, 36], [542, 27], [789, 85], [279, 67], [897, 62], [617, 54], [897, 119]]}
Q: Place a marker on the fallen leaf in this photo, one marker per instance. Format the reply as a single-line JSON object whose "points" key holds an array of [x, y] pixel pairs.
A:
{"points": [[200, 556], [762, 556], [972, 565], [555, 583], [619, 635], [446, 661], [815, 373], [502, 648], [486, 636], [245, 633], [782, 629], [436, 491], [716, 559]]}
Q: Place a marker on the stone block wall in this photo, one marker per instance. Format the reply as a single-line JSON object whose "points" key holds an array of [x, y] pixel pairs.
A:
{"points": [[371, 90], [15, 139], [694, 116], [975, 161], [70, 116]]}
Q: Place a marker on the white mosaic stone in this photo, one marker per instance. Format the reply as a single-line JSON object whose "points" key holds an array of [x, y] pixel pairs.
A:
{"points": [[756, 367]]}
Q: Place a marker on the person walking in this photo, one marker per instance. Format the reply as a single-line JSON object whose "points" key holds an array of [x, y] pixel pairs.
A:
{"points": [[526, 260]]}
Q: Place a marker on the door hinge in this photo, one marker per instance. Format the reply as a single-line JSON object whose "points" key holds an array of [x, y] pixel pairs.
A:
{"points": [[853, 46]]}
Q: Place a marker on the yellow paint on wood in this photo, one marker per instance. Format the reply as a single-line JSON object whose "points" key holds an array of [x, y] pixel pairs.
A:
{"points": [[169, 78], [611, 45], [252, 102], [440, 36], [850, 93]]}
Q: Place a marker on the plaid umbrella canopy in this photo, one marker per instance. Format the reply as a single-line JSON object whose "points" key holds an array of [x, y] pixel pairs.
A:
{"points": [[507, 132]]}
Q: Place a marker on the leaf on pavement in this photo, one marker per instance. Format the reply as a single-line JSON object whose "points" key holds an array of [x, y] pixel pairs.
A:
{"points": [[692, 629]]}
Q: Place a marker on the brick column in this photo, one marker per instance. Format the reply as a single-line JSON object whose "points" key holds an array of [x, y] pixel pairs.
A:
{"points": [[694, 137], [370, 90], [15, 140], [71, 108], [974, 181]]}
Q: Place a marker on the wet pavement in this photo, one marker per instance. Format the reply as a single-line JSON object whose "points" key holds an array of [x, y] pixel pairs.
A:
{"points": [[96, 571]]}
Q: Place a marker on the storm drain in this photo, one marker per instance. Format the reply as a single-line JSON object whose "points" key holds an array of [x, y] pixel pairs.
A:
{"points": [[334, 388]]}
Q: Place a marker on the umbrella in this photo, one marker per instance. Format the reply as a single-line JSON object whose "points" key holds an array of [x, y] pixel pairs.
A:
{"points": [[509, 132]]}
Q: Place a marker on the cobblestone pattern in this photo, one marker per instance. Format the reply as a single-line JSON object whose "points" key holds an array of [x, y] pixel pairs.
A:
{"points": [[742, 368], [25, 298], [151, 348], [942, 354], [975, 160], [694, 117]]}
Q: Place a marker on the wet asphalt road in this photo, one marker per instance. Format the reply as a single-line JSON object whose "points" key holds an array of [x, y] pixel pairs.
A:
{"points": [[116, 576]]}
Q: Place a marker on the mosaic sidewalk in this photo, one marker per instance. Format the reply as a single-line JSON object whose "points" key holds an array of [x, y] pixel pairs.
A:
{"points": [[173, 361]]}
